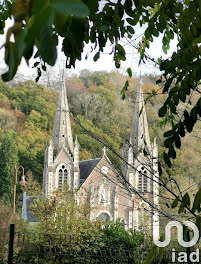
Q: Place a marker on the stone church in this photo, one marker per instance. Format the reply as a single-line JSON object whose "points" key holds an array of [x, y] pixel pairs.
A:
{"points": [[131, 195]]}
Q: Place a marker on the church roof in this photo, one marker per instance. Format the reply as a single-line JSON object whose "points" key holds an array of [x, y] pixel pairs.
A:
{"points": [[86, 167]]}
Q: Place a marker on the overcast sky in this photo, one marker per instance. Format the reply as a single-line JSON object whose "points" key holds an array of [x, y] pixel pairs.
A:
{"points": [[105, 61]]}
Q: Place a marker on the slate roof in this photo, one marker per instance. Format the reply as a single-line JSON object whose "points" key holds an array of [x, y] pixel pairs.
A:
{"points": [[86, 167]]}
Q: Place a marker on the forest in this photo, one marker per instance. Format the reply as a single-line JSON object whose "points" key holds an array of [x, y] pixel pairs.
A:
{"points": [[27, 112]]}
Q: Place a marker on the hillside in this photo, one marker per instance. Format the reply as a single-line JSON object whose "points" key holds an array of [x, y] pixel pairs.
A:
{"points": [[27, 112]]}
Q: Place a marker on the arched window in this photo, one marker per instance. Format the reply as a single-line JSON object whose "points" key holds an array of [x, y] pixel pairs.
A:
{"points": [[145, 181], [104, 217], [104, 193], [65, 176], [142, 180], [122, 223], [62, 177]]}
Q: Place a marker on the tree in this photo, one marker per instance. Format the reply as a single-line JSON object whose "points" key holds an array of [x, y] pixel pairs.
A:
{"points": [[31, 145], [64, 226], [98, 78], [32, 187], [62, 214], [7, 119], [9, 159], [36, 121]]}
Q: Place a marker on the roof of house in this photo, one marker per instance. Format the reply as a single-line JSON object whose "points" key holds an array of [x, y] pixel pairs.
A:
{"points": [[86, 167]]}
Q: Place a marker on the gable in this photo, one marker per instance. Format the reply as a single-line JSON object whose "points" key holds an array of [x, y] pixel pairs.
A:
{"points": [[97, 172], [63, 156]]}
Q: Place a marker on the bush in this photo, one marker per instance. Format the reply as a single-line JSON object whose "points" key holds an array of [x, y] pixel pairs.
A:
{"points": [[112, 245]]}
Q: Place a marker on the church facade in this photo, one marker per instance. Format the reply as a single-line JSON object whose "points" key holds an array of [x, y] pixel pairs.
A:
{"points": [[131, 195]]}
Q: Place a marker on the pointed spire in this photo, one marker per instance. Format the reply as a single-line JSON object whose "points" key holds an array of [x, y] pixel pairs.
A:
{"points": [[62, 134], [139, 138]]}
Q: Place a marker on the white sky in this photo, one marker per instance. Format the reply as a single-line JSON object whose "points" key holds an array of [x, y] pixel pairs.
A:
{"points": [[105, 61]]}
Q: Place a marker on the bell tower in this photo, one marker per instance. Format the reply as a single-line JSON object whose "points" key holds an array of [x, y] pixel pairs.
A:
{"points": [[140, 161], [60, 159], [62, 134]]}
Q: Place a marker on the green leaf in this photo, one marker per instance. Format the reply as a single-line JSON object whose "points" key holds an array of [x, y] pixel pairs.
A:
{"points": [[38, 74], [181, 129], [170, 34], [162, 111], [44, 67], [175, 202], [198, 223], [47, 45], [93, 4], [45, 16], [197, 202], [36, 64], [130, 30], [131, 21], [184, 203], [186, 199], [20, 43], [167, 159], [167, 84], [97, 56], [172, 152], [168, 133], [129, 71], [160, 169], [37, 5], [178, 142], [123, 96], [151, 254], [158, 81], [74, 9], [125, 88], [104, 28], [168, 142], [199, 107], [120, 49], [189, 124], [117, 62], [160, 255], [12, 62], [28, 52]]}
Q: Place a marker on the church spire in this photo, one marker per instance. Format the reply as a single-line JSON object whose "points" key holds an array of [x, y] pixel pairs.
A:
{"points": [[62, 134], [139, 138]]}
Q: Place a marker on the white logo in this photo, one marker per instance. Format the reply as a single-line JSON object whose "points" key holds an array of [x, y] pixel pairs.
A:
{"points": [[179, 227]]}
